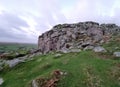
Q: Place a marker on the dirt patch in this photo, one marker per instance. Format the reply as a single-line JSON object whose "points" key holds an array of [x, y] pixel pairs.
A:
{"points": [[48, 82]]}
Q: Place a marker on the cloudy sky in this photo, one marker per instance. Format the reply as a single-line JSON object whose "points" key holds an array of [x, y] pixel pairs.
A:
{"points": [[25, 20]]}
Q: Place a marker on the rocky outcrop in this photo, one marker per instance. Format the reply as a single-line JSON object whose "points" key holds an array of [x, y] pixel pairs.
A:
{"points": [[64, 37]]}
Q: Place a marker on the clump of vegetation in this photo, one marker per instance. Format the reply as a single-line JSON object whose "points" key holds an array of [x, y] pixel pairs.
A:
{"points": [[50, 81], [45, 66], [115, 72], [91, 80], [113, 45]]}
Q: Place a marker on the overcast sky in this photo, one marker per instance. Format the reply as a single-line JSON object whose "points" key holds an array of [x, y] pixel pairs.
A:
{"points": [[25, 20]]}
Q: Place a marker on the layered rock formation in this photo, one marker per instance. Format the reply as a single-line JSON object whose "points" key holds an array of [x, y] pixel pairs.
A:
{"points": [[64, 37]]}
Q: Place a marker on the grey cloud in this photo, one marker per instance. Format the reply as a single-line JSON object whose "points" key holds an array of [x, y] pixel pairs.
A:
{"points": [[9, 22], [48, 21], [95, 10], [47, 13]]}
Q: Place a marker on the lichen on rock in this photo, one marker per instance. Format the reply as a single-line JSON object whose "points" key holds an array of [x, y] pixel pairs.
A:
{"points": [[76, 36]]}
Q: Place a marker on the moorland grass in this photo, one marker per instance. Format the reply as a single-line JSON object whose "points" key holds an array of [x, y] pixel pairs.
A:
{"points": [[84, 69]]}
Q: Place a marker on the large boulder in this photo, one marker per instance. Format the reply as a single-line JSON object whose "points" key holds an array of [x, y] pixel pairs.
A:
{"points": [[13, 62], [99, 49]]}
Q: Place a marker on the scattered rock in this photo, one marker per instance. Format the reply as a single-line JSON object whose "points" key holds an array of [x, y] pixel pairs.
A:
{"points": [[58, 55], [38, 53], [116, 54], [70, 50], [99, 49], [34, 84], [64, 50], [1, 81], [75, 50], [89, 48], [31, 55], [14, 62]]}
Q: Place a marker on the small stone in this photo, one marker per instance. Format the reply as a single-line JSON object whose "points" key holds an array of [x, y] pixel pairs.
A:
{"points": [[14, 62], [89, 48], [99, 49], [58, 55], [65, 73], [34, 84], [116, 54], [1, 81], [75, 50], [64, 50]]}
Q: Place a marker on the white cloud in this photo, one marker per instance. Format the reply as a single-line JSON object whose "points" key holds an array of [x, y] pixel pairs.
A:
{"points": [[94, 10], [41, 15]]}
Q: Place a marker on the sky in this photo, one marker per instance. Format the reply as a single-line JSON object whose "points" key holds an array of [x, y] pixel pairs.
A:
{"points": [[24, 20]]}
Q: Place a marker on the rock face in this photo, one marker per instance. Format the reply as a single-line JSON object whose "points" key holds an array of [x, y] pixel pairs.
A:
{"points": [[75, 36]]}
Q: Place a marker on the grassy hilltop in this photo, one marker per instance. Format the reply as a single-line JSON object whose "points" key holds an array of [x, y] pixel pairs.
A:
{"points": [[84, 69]]}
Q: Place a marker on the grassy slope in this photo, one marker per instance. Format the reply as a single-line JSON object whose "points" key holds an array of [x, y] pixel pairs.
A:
{"points": [[84, 69], [15, 46]]}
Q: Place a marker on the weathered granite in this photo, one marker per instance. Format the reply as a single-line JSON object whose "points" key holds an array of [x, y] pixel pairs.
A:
{"points": [[79, 35]]}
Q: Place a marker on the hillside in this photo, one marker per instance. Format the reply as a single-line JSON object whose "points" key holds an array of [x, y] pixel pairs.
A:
{"points": [[84, 69], [85, 54]]}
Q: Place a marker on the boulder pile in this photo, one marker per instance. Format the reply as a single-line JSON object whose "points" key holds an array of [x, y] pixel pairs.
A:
{"points": [[66, 37]]}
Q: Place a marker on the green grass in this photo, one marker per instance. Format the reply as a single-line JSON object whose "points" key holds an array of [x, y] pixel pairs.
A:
{"points": [[84, 69], [7, 47], [113, 45], [16, 49]]}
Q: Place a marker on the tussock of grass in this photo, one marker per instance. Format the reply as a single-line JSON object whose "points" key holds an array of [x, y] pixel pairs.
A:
{"points": [[76, 65], [91, 79]]}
